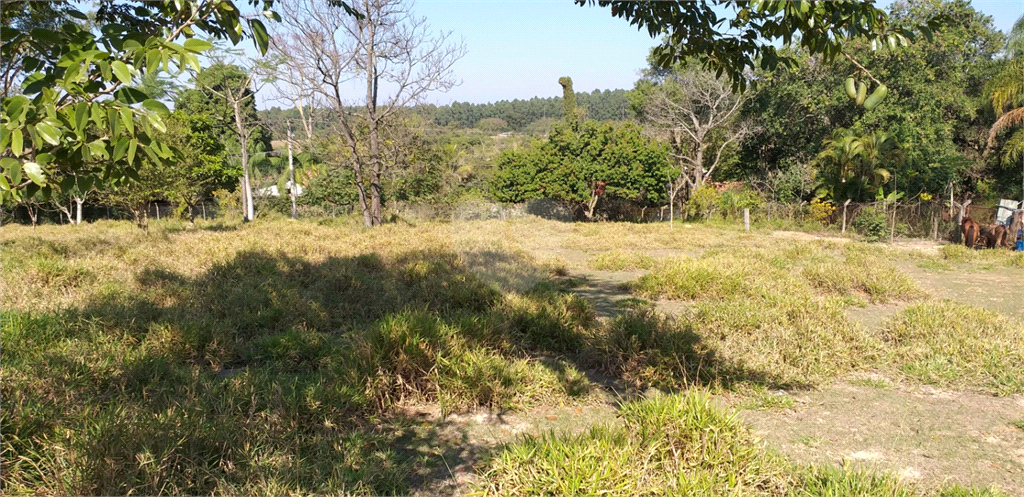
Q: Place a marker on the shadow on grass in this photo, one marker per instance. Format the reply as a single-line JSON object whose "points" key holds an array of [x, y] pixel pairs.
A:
{"points": [[271, 374]]}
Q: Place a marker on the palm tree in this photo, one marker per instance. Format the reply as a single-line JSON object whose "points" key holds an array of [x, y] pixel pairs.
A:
{"points": [[853, 166], [1006, 90]]}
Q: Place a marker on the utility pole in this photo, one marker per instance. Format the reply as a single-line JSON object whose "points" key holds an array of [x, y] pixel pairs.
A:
{"points": [[291, 171]]}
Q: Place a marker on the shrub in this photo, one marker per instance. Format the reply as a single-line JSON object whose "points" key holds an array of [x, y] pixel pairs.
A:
{"points": [[871, 223], [821, 211], [704, 201]]}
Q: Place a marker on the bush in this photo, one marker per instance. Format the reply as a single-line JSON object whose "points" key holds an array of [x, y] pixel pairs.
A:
{"points": [[704, 201], [871, 223], [820, 211]]}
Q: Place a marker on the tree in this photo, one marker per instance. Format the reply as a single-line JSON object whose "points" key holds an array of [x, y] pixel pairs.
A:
{"points": [[935, 107], [579, 165], [854, 167], [394, 52], [227, 90], [694, 30], [200, 167], [697, 112], [80, 113], [1006, 91]]}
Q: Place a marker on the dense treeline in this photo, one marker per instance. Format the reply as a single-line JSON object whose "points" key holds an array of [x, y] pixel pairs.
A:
{"points": [[504, 115], [518, 114]]}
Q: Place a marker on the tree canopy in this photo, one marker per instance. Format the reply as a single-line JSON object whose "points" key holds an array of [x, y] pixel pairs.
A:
{"points": [[749, 39], [72, 106]]}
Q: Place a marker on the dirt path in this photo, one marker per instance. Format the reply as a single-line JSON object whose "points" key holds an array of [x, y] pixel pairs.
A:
{"points": [[927, 435]]}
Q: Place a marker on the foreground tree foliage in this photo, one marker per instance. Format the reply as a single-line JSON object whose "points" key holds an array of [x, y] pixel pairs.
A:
{"points": [[750, 38], [72, 105]]}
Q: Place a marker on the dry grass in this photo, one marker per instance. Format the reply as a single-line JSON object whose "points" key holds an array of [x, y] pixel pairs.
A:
{"points": [[268, 358]]}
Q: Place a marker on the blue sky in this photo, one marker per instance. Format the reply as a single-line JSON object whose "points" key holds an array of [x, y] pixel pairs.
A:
{"points": [[519, 49]]}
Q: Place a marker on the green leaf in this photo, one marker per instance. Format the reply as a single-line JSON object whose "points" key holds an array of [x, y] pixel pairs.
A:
{"points": [[99, 147], [195, 45], [81, 116], [35, 173], [5, 137], [84, 183], [132, 173], [48, 133], [130, 95], [157, 123], [67, 184], [259, 35], [155, 106], [14, 108], [13, 169], [98, 115], [192, 61], [44, 158], [17, 142], [120, 148], [153, 58], [121, 71], [153, 156], [131, 150], [128, 119]]}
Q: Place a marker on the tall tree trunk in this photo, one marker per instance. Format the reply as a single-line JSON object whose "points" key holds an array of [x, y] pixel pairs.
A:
{"points": [[374, 123], [78, 211], [361, 191]]}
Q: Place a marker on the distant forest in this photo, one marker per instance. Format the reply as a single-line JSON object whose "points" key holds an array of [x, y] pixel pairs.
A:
{"points": [[514, 115]]}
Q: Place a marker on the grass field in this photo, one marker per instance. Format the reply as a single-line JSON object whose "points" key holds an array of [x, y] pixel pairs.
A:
{"points": [[281, 357]]}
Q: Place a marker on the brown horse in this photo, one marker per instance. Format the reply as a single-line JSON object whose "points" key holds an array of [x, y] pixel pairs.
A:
{"points": [[995, 235], [970, 232]]}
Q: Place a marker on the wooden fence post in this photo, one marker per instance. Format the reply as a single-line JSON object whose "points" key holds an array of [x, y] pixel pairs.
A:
{"points": [[844, 213], [746, 219]]}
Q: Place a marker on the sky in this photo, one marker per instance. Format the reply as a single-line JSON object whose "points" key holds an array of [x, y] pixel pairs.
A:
{"points": [[518, 49]]}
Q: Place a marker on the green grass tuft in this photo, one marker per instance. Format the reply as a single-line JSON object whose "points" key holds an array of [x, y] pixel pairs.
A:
{"points": [[949, 344]]}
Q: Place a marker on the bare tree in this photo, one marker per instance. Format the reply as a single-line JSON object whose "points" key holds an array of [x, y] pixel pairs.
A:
{"points": [[237, 96], [329, 52], [697, 113]]}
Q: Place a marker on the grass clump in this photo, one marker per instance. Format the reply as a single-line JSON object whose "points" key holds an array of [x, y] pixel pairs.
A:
{"points": [[959, 253], [957, 490], [878, 279], [832, 481], [681, 444], [646, 348], [619, 260], [676, 444], [949, 344]]}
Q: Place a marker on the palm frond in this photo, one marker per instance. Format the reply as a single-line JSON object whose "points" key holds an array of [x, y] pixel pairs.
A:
{"points": [[1006, 121]]}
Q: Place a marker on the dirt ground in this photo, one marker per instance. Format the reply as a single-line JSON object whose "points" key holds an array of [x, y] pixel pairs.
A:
{"points": [[929, 436]]}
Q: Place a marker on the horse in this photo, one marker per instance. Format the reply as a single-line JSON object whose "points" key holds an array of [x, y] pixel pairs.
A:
{"points": [[995, 235], [969, 229]]}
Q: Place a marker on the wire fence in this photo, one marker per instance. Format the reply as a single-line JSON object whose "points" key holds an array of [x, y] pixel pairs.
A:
{"points": [[920, 219]]}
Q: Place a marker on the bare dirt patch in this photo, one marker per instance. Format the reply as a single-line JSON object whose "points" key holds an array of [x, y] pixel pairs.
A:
{"points": [[998, 289], [455, 444], [928, 435], [874, 316], [604, 289]]}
